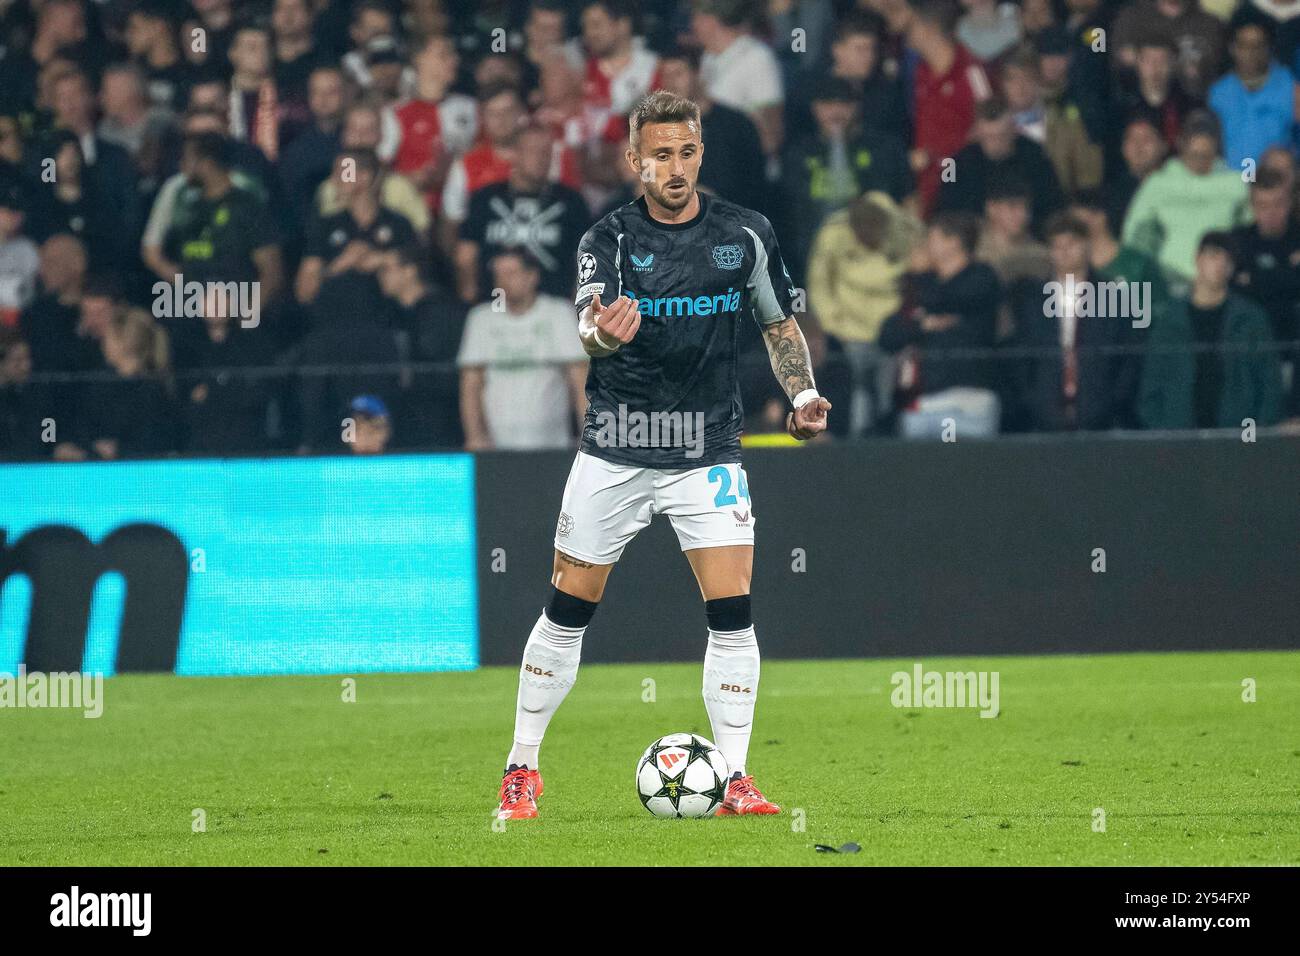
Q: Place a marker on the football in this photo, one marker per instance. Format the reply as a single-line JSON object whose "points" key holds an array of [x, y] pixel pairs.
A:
{"points": [[682, 775]]}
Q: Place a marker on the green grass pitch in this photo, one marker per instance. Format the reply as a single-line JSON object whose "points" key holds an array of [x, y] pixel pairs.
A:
{"points": [[1185, 771]]}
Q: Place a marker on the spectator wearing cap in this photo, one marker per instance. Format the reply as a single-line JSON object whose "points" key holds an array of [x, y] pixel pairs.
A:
{"points": [[989, 28], [1211, 365], [20, 261], [738, 70], [372, 426], [997, 150], [1142, 151], [351, 349], [1054, 123], [523, 371], [953, 308], [1079, 375], [728, 168], [363, 130], [947, 84], [855, 277], [546, 218], [430, 323], [371, 19], [1257, 101], [828, 168], [436, 124], [152, 42], [386, 65], [1190, 195], [858, 57], [1194, 35]]}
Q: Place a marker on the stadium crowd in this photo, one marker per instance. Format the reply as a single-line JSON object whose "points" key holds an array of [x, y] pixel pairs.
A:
{"points": [[234, 227]]}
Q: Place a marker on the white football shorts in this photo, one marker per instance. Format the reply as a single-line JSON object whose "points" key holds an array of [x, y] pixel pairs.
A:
{"points": [[605, 505]]}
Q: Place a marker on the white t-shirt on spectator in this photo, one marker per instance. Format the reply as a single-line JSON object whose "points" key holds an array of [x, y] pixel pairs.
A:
{"points": [[525, 358], [19, 264], [744, 76]]}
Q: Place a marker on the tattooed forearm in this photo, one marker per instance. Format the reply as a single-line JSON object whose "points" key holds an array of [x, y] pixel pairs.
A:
{"points": [[789, 354]]}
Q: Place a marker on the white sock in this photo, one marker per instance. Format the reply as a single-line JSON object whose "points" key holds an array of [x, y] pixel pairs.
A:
{"points": [[730, 688], [549, 669]]}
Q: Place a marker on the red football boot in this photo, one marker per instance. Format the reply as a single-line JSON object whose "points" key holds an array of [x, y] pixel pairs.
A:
{"points": [[520, 789], [745, 798]]}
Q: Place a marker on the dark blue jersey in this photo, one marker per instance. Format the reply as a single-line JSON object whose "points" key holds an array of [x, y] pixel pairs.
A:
{"points": [[670, 398]]}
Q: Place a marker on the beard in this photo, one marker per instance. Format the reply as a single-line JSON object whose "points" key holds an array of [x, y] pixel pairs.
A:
{"points": [[671, 201]]}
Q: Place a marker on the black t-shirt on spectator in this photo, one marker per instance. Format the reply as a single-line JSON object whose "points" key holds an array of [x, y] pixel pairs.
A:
{"points": [[729, 167], [168, 87], [548, 224], [231, 416], [330, 235], [352, 290], [1268, 271], [435, 324], [1028, 164], [140, 414], [973, 296], [1207, 326], [214, 240]]}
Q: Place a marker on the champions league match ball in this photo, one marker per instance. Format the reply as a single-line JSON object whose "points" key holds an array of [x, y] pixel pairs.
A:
{"points": [[682, 775]]}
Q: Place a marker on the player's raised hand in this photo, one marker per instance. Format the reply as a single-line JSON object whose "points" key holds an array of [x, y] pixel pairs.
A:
{"points": [[617, 322], [809, 420]]}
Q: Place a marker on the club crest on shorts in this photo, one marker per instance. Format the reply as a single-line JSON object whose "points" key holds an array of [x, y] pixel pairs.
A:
{"points": [[564, 525], [586, 267], [728, 257]]}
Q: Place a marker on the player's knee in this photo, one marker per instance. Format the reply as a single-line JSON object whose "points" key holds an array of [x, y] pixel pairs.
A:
{"points": [[569, 611], [728, 613]]}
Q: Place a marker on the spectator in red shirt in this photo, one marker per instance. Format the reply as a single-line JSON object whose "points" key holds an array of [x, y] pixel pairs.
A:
{"points": [[949, 81], [503, 117], [436, 124], [619, 70]]}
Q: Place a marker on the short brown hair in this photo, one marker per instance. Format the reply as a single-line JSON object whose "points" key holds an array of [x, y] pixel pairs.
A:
{"points": [[662, 107], [1065, 223], [962, 226]]}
